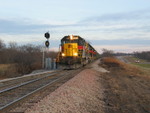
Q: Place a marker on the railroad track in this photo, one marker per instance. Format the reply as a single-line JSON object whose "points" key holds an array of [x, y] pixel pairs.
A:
{"points": [[13, 94], [4, 84]]}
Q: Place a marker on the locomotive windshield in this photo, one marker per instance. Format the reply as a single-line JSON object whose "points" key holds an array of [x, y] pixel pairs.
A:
{"points": [[68, 41], [73, 39]]}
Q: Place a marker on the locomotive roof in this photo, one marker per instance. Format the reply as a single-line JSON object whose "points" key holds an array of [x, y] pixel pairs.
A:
{"points": [[79, 38], [66, 37]]}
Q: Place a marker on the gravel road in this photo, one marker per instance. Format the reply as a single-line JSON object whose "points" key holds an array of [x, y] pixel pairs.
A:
{"points": [[81, 94]]}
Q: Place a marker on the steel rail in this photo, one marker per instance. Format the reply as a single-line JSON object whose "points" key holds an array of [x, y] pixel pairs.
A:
{"points": [[2, 109], [18, 80], [24, 76], [25, 83]]}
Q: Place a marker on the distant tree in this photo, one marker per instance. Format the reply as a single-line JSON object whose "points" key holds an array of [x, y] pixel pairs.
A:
{"points": [[12, 51], [12, 45], [29, 57], [52, 54], [143, 55], [107, 53], [2, 44], [26, 58], [2, 51]]}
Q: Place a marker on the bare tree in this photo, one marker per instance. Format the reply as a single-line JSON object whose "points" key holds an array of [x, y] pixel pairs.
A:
{"points": [[107, 53], [2, 49], [2, 44], [28, 58], [12, 45]]}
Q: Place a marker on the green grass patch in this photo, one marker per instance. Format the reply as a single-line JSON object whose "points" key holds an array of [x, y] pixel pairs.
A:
{"points": [[134, 59], [142, 65]]}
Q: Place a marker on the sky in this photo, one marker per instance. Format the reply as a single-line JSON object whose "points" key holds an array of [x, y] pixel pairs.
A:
{"points": [[118, 25]]}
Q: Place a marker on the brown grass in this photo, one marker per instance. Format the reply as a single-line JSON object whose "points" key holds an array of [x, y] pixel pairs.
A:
{"points": [[3, 69], [8, 71], [112, 62], [127, 87], [4, 66], [13, 70]]}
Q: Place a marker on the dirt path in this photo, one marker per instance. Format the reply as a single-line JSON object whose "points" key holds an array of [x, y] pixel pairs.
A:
{"points": [[125, 93]]}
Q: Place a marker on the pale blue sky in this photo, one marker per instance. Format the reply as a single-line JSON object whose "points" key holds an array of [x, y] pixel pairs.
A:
{"points": [[118, 21]]}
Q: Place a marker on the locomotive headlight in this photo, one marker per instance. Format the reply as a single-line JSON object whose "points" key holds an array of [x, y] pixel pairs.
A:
{"points": [[75, 54], [71, 37], [63, 54]]}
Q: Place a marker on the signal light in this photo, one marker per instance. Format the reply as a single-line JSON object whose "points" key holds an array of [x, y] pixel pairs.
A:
{"points": [[63, 54], [47, 43], [47, 35], [75, 54]]}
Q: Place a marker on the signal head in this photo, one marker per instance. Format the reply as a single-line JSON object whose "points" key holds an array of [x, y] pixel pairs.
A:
{"points": [[47, 43], [47, 35]]}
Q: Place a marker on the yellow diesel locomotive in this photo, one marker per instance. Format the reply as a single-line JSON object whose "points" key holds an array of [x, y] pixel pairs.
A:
{"points": [[75, 51]]}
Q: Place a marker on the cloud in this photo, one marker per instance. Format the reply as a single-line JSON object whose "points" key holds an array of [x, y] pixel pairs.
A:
{"points": [[124, 32], [19, 27], [123, 48], [130, 22], [131, 25], [26, 26], [121, 42], [117, 17], [37, 39]]}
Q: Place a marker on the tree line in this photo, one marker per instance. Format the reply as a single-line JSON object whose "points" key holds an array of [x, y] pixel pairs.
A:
{"points": [[25, 58], [143, 55]]}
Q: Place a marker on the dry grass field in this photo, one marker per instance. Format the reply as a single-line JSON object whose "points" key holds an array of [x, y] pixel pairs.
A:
{"points": [[7, 71], [127, 87], [132, 68]]}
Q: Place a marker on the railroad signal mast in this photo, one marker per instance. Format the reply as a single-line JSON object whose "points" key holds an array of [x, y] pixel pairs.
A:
{"points": [[49, 64], [47, 36]]}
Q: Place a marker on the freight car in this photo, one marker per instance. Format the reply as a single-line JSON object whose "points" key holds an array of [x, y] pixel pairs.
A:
{"points": [[75, 52]]}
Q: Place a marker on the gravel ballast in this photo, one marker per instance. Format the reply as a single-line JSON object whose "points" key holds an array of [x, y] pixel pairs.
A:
{"points": [[81, 94]]}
